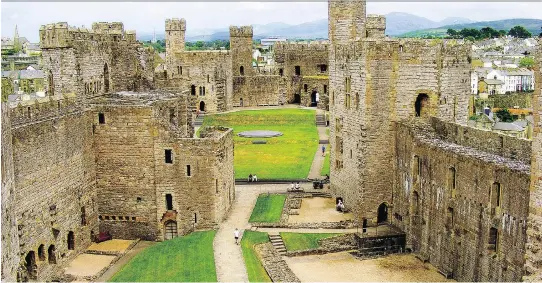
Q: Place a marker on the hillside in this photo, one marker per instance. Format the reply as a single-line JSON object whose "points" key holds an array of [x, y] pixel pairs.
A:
{"points": [[532, 25]]}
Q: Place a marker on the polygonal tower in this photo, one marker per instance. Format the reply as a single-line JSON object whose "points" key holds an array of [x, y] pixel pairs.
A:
{"points": [[241, 50], [175, 30]]}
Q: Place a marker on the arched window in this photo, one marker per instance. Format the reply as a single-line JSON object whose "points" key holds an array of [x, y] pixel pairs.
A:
{"points": [[41, 252], [30, 264], [51, 252], [420, 104], [193, 90], [169, 202]]}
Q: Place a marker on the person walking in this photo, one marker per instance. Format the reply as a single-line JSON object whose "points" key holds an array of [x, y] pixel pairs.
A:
{"points": [[323, 150], [236, 235]]}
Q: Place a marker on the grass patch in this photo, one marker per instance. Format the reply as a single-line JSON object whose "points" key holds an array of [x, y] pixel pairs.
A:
{"points": [[286, 157], [256, 271], [303, 241], [183, 259], [268, 208], [325, 167]]}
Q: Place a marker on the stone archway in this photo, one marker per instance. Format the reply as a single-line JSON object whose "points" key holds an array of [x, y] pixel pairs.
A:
{"points": [[202, 106], [382, 213], [170, 230], [314, 98], [421, 105]]}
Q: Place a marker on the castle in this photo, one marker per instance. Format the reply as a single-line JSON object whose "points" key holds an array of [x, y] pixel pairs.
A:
{"points": [[111, 147]]}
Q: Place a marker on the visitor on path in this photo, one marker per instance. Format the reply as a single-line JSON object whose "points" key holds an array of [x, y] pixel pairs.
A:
{"points": [[236, 234], [254, 178], [292, 186], [323, 150], [340, 206], [250, 178], [297, 186]]}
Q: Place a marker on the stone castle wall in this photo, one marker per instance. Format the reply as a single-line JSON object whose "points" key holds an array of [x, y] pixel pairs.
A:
{"points": [[312, 59], [443, 198], [93, 62], [10, 239], [55, 191], [194, 70], [258, 90], [534, 231]]}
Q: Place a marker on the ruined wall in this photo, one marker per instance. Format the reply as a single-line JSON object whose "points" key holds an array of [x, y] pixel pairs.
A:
{"points": [[55, 191], [445, 199], [200, 179], [206, 74], [149, 136], [374, 82], [534, 230], [258, 90], [93, 62], [10, 240], [310, 60]]}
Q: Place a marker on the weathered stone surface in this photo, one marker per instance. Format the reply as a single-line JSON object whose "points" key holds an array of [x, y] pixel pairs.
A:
{"points": [[276, 267], [330, 245]]}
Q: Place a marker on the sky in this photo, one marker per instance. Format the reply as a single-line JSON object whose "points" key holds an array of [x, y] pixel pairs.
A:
{"points": [[145, 17]]}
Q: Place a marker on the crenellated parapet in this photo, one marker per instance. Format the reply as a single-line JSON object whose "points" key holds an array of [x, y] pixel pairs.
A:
{"points": [[61, 35], [175, 24], [40, 109], [241, 31], [319, 45], [375, 26]]}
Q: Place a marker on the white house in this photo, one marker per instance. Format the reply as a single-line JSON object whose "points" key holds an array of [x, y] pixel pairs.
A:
{"points": [[515, 80]]}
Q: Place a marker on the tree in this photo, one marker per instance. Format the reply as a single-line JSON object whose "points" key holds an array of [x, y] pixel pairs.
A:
{"points": [[489, 32], [520, 32], [504, 115], [526, 62], [502, 33], [452, 32]]}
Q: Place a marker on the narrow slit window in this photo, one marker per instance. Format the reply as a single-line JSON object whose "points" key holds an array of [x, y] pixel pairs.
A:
{"points": [[168, 156], [101, 118], [188, 173]]}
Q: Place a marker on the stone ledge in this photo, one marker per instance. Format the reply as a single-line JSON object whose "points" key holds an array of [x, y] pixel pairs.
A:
{"points": [[274, 265], [329, 245]]}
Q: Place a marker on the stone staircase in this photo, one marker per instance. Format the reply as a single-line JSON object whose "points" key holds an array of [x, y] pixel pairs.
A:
{"points": [[277, 243], [199, 121], [320, 120]]}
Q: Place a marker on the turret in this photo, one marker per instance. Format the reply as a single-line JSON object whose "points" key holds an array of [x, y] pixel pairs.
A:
{"points": [[346, 20], [175, 30], [375, 26], [241, 50]]}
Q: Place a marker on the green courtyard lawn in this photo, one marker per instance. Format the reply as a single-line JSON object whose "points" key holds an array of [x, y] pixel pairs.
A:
{"points": [[268, 208], [183, 259], [255, 270], [303, 241], [286, 157]]}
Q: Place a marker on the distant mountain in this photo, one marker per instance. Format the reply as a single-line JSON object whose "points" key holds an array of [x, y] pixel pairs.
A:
{"points": [[397, 24], [532, 25]]}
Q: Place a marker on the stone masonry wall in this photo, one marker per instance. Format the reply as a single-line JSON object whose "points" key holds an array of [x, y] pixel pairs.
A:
{"points": [[55, 191], [534, 230], [10, 240], [444, 197]]}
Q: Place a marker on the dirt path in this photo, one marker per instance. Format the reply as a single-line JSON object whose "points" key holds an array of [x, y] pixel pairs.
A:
{"points": [[318, 160], [124, 260], [230, 265]]}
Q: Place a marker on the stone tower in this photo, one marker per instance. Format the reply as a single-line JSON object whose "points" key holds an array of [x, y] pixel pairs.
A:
{"points": [[534, 244], [175, 30], [346, 20], [241, 50]]}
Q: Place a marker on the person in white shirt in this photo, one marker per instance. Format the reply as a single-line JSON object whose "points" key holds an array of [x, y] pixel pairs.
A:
{"points": [[236, 234], [292, 186], [297, 186], [254, 178]]}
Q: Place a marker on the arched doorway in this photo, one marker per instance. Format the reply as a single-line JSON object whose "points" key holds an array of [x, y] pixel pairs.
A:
{"points": [[30, 264], [314, 98], [202, 106], [51, 253], [420, 106], [106, 78], [71, 241], [170, 230], [382, 213], [297, 98]]}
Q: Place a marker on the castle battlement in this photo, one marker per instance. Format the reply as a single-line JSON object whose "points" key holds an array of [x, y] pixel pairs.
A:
{"points": [[39, 109], [317, 45], [241, 31], [175, 24], [61, 35], [375, 26]]}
